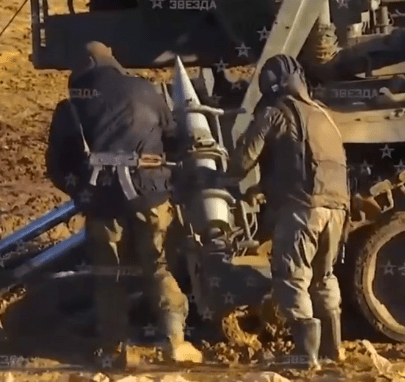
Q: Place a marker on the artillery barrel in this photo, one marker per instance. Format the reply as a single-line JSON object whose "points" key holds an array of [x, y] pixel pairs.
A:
{"points": [[204, 205], [50, 255], [40, 225]]}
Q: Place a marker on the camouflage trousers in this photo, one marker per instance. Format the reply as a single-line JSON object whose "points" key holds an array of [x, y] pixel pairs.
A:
{"points": [[306, 245], [112, 242]]}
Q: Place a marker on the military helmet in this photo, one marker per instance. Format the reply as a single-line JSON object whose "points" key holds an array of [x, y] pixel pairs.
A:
{"points": [[275, 76]]}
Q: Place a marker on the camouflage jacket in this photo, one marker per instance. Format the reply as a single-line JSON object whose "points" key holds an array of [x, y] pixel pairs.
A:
{"points": [[301, 155]]}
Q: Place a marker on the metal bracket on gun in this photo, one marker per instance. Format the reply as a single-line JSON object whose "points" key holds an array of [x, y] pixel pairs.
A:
{"points": [[195, 108], [250, 242]]}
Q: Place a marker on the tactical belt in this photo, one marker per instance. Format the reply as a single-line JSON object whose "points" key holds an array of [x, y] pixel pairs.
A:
{"points": [[121, 162]]}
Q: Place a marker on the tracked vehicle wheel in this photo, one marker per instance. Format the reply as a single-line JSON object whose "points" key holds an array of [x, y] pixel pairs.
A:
{"points": [[380, 277]]}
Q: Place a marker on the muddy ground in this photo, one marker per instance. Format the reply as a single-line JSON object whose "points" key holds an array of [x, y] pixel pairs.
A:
{"points": [[28, 98]]}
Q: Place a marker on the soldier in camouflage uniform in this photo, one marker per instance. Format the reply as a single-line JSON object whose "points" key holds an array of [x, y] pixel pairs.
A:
{"points": [[119, 113], [304, 178]]}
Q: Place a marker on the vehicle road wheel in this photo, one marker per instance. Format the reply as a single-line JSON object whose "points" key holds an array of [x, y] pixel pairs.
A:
{"points": [[380, 277]]}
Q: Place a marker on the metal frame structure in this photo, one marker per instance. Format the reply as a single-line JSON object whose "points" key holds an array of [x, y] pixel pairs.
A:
{"points": [[199, 37]]}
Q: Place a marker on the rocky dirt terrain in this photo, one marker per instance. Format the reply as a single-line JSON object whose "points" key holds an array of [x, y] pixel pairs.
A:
{"points": [[28, 98]]}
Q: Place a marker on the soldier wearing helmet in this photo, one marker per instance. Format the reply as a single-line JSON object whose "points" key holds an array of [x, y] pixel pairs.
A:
{"points": [[110, 112], [304, 178]]}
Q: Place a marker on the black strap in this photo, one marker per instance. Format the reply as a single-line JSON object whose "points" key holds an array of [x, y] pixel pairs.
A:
{"points": [[79, 125]]}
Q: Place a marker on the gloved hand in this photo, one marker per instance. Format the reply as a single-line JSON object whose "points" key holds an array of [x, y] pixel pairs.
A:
{"points": [[365, 206], [254, 195]]}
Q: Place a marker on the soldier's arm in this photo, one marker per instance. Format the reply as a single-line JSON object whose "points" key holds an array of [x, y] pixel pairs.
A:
{"points": [[64, 156], [266, 125]]}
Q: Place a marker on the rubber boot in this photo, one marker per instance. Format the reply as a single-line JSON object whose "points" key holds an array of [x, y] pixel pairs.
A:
{"points": [[113, 325], [307, 338], [331, 337], [180, 350]]}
